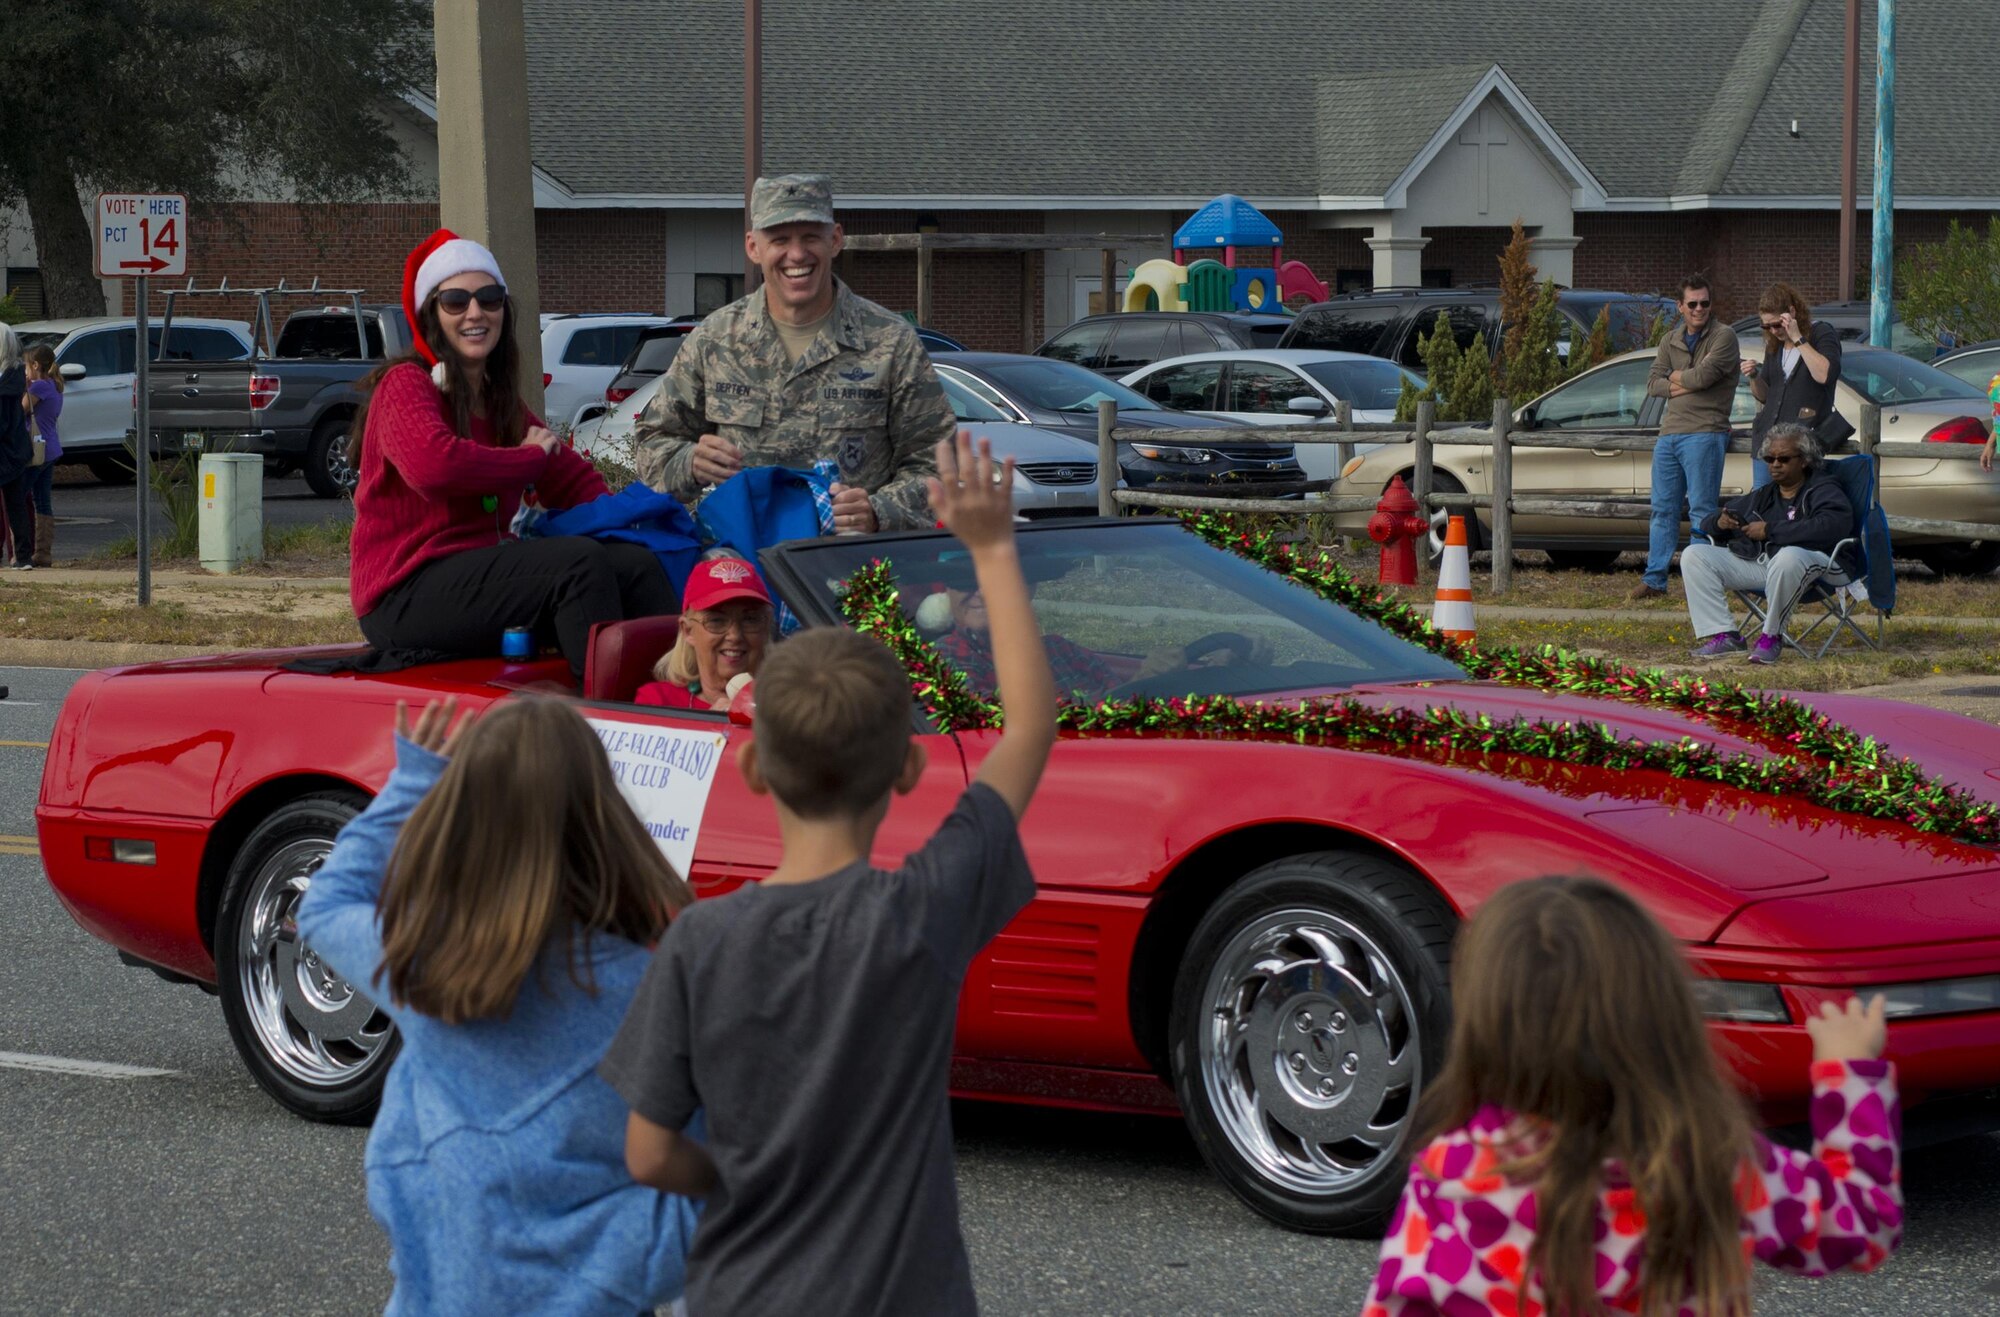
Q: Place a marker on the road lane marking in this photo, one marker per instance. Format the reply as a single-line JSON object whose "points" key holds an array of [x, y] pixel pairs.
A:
{"points": [[63, 1065], [27, 745]]}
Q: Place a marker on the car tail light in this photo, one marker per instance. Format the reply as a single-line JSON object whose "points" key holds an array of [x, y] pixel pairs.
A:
{"points": [[546, 377], [615, 395], [1958, 430], [119, 850], [263, 391]]}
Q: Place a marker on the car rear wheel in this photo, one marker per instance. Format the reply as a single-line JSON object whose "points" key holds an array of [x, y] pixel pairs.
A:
{"points": [[112, 468], [1583, 560], [326, 467], [1977, 558], [309, 1038], [1311, 1006], [1444, 483]]}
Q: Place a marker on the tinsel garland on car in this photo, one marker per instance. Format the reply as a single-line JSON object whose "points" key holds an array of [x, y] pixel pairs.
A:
{"points": [[1823, 763]]}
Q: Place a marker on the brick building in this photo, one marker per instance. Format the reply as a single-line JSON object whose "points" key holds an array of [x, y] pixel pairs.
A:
{"points": [[1636, 143]]}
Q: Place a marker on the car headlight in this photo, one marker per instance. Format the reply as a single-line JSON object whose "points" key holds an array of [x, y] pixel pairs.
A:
{"points": [[1939, 997], [1178, 456], [1743, 1003]]}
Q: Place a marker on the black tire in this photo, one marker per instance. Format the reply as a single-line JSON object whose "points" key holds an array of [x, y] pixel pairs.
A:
{"points": [[112, 468], [1583, 560], [326, 468], [1348, 1088], [308, 1039], [1977, 558]]}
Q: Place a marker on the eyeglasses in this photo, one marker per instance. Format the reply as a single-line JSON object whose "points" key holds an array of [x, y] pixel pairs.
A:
{"points": [[1777, 459], [1693, 305], [1773, 326], [492, 297], [751, 624]]}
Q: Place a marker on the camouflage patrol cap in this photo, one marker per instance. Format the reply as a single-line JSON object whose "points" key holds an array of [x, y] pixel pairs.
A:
{"points": [[791, 199]]}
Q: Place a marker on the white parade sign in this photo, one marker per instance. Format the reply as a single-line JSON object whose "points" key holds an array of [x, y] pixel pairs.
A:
{"points": [[664, 773], [140, 234]]}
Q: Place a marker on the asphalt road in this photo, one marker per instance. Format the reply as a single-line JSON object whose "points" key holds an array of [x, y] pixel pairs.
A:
{"points": [[190, 1192], [91, 516]]}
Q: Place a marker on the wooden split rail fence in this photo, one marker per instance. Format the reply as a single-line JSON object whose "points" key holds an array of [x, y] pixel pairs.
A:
{"points": [[1503, 504]]}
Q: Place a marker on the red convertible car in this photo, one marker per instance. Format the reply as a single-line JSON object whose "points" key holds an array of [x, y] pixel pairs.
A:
{"points": [[1254, 932]]}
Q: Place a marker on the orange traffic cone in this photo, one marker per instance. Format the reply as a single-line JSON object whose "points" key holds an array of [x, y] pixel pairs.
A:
{"points": [[1452, 613]]}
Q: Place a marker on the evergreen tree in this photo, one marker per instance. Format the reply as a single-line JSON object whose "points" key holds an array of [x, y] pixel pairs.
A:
{"points": [[1535, 367], [1470, 395], [1595, 348]]}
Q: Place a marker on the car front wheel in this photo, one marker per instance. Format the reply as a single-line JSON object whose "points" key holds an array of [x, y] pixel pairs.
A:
{"points": [[328, 473], [1311, 1006], [308, 1037]]}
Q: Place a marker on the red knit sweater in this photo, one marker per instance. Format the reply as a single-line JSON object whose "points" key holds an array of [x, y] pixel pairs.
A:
{"points": [[423, 488]]}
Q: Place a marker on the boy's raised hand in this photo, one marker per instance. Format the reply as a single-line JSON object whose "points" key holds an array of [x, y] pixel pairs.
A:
{"points": [[1850, 1031], [971, 494], [437, 726]]}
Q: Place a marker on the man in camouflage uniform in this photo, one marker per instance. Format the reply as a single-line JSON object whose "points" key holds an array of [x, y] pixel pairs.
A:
{"points": [[798, 371]]}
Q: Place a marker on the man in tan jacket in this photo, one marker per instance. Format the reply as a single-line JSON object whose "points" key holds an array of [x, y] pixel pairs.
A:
{"points": [[1695, 372]]}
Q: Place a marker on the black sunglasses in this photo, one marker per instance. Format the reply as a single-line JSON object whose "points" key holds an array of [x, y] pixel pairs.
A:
{"points": [[455, 300], [1693, 305], [1772, 459]]}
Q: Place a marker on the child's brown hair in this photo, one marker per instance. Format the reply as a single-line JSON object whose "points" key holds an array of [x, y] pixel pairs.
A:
{"points": [[1574, 1010], [525, 838], [44, 359], [833, 722]]}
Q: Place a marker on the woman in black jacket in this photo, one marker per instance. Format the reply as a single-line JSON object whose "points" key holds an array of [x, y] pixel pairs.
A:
{"points": [[1797, 379], [17, 450]]}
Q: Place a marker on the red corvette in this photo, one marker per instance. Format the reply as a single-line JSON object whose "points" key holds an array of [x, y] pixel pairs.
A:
{"points": [[1253, 931]]}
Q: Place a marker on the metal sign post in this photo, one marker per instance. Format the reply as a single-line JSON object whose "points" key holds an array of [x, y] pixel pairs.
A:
{"points": [[141, 234]]}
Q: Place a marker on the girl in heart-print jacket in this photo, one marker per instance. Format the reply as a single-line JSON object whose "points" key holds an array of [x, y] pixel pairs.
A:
{"points": [[1552, 983]]}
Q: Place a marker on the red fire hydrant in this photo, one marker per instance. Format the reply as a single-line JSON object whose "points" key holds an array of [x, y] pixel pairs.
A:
{"points": [[1395, 526]]}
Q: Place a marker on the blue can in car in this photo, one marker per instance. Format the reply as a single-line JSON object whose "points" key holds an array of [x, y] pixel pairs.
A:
{"points": [[517, 642]]}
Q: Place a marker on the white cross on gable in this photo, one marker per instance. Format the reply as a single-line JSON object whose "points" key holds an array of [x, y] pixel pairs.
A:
{"points": [[1485, 130]]}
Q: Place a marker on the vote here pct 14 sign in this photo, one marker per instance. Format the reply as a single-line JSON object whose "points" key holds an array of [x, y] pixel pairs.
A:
{"points": [[141, 234]]}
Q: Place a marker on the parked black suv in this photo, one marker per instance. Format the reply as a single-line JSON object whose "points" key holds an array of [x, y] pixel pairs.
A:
{"points": [[1387, 321], [1117, 345]]}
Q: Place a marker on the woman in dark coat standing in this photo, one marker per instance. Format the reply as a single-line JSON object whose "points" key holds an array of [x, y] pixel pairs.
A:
{"points": [[1797, 378], [17, 450]]}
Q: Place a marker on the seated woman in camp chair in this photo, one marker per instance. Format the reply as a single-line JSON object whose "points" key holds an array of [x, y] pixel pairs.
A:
{"points": [[1772, 539]]}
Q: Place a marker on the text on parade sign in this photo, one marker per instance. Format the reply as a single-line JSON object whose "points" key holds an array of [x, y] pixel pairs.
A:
{"points": [[141, 234], [665, 774]]}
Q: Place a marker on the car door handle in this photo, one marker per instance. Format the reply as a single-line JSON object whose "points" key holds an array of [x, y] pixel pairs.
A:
{"points": [[1608, 452]]}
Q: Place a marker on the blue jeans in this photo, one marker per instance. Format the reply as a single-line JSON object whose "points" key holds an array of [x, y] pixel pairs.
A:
{"points": [[41, 481], [1686, 467]]}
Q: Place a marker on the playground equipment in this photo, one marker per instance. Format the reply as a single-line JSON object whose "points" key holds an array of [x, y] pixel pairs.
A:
{"points": [[1230, 224]]}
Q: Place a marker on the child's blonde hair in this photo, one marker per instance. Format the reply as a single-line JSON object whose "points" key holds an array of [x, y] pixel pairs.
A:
{"points": [[525, 838], [1574, 1009]]}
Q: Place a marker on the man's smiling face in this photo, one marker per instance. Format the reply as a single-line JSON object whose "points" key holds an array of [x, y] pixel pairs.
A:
{"points": [[797, 261]]}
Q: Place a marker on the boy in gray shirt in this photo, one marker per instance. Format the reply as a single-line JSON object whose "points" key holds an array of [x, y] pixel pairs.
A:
{"points": [[811, 1015]]}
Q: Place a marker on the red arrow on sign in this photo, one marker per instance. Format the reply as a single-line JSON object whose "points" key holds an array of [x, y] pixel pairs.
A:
{"points": [[150, 263]]}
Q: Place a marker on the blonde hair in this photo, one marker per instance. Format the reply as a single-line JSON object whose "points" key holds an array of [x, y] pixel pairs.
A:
{"points": [[833, 722], [524, 839], [679, 665], [1573, 1009]]}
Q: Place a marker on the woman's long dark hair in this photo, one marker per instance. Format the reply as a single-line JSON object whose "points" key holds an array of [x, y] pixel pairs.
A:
{"points": [[499, 392]]}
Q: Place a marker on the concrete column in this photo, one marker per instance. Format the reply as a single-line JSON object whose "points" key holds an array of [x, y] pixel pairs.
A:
{"points": [[1399, 257], [1554, 258], [486, 184]]}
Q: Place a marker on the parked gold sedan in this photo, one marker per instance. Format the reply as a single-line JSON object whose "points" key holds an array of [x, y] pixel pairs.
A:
{"points": [[1918, 402]]}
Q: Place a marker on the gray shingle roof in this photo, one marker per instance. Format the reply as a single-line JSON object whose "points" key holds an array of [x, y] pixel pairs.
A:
{"points": [[1280, 98]]}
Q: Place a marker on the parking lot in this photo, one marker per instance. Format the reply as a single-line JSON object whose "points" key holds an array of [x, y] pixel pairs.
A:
{"points": [[91, 517]]}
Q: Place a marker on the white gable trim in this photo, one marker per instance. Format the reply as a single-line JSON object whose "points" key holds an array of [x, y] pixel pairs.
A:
{"points": [[551, 193], [1588, 193], [1797, 201]]}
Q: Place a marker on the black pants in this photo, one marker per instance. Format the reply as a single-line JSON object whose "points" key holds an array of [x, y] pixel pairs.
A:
{"points": [[20, 516], [560, 587]]}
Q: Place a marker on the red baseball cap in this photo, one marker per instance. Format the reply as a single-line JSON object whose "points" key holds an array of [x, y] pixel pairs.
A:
{"points": [[719, 580]]}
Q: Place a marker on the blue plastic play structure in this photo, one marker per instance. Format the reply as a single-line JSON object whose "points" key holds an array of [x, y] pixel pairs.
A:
{"points": [[1195, 281]]}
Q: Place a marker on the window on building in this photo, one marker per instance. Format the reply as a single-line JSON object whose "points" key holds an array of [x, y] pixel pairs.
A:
{"points": [[712, 292], [1436, 278], [24, 285]]}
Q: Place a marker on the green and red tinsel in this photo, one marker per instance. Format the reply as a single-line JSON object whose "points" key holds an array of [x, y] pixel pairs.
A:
{"points": [[1814, 759]]}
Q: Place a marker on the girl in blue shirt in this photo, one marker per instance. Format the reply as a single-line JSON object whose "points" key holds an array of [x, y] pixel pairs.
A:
{"points": [[498, 899]]}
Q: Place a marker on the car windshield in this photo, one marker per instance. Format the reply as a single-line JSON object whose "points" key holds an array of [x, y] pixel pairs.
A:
{"points": [[42, 338], [1975, 368], [655, 354], [1632, 320], [1062, 387], [1138, 609], [1363, 385], [967, 405], [1889, 377]]}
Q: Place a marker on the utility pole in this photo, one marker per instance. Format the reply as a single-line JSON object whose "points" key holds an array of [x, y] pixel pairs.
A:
{"points": [[753, 121], [1882, 268], [1850, 147], [486, 172]]}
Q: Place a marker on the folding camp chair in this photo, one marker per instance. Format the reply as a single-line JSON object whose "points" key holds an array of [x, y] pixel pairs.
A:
{"points": [[1833, 595]]}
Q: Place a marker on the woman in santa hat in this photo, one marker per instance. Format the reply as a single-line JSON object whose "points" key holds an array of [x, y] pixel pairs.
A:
{"points": [[445, 448]]}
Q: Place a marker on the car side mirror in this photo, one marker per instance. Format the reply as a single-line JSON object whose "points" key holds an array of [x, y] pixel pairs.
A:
{"points": [[72, 370], [1307, 404], [1525, 418]]}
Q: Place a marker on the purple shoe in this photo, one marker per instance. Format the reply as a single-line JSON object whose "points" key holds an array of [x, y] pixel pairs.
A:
{"points": [[1720, 645], [1767, 650]]}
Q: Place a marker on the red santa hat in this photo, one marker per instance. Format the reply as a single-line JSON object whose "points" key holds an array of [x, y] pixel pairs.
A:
{"points": [[436, 259]]}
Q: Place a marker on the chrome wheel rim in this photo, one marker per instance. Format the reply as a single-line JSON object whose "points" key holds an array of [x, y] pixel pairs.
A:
{"points": [[1310, 1052], [343, 475], [309, 1021]]}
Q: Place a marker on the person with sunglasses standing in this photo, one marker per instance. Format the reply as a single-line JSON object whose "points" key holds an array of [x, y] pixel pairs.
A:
{"points": [[1798, 377], [446, 448], [1695, 371]]}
